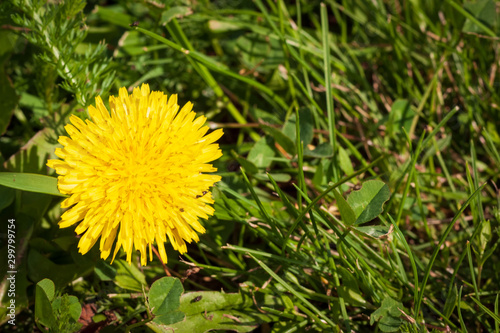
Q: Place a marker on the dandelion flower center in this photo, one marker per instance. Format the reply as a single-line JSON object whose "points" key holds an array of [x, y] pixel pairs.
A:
{"points": [[137, 174]]}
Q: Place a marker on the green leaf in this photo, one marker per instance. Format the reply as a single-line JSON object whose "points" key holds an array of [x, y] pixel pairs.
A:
{"points": [[375, 231], [30, 182], [176, 11], [484, 11], [48, 287], [280, 138], [114, 16], [348, 215], [279, 177], [128, 276], [318, 175], [367, 203], [306, 126], [349, 289], [7, 196], [484, 235], [8, 39], [247, 165], [212, 301], [262, 153], [33, 156], [34, 103], [211, 310], [322, 150], [224, 320], [43, 309], [65, 242], [259, 52], [40, 267], [99, 318], [218, 27], [67, 306], [401, 116], [345, 162], [164, 300], [388, 315], [105, 271]]}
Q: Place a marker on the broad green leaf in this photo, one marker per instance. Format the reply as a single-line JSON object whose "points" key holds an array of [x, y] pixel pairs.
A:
{"points": [[99, 318], [176, 11], [34, 103], [164, 300], [348, 215], [229, 320], [484, 11], [8, 39], [33, 156], [217, 26], [321, 151], [484, 235], [401, 116], [247, 165], [349, 289], [116, 17], [169, 318], [105, 271], [388, 315], [288, 302], [375, 231], [266, 117], [43, 245], [65, 242], [262, 152], [367, 203], [281, 139], [306, 126], [211, 310], [259, 53], [279, 177], [67, 306], [7, 196], [345, 162], [197, 302], [44, 292], [40, 267], [30, 182], [318, 175], [128, 276], [48, 287]]}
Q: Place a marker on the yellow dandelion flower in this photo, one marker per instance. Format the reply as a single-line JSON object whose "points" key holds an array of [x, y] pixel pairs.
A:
{"points": [[137, 174]]}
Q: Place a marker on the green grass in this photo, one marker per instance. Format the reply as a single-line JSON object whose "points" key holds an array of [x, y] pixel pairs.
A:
{"points": [[412, 102]]}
